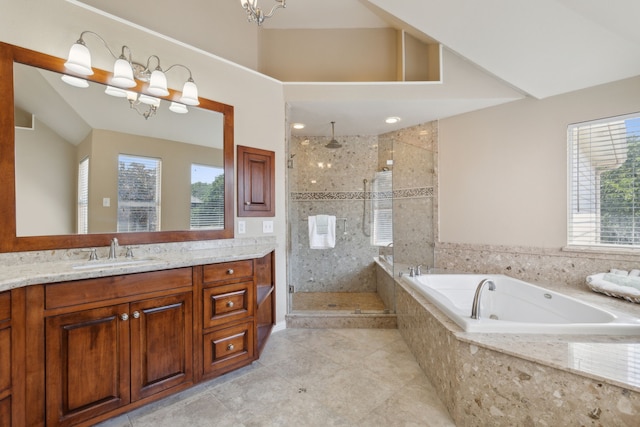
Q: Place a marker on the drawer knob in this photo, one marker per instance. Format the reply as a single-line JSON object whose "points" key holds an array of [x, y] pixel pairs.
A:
{"points": [[136, 314], [230, 347], [124, 316], [230, 304], [230, 271]]}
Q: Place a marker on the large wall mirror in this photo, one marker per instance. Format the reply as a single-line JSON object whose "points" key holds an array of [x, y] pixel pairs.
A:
{"points": [[79, 167]]}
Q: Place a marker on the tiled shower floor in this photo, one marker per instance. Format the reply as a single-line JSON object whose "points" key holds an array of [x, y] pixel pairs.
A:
{"points": [[367, 302]]}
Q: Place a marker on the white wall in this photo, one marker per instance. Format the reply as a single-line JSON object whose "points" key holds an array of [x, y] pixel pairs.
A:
{"points": [[52, 26], [503, 170]]}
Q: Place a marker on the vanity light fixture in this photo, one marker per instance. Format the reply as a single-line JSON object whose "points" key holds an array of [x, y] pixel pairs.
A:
{"points": [[257, 15], [127, 73]]}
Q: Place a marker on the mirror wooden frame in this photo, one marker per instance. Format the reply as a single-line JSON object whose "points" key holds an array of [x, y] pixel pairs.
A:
{"points": [[10, 242]]}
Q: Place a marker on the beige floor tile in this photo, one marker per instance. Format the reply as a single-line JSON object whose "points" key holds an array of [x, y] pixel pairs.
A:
{"points": [[309, 378]]}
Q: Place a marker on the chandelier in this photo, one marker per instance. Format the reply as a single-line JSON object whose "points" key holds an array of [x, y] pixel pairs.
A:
{"points": [[255, 14], [125, 73]]}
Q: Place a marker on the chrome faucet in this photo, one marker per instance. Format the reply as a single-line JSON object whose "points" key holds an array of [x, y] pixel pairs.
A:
{"points": [[112, 249], [419, 270], [475, 308]]}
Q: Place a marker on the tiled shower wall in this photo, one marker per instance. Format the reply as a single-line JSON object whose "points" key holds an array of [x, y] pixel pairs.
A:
{"points": [[414, 154], [331, 181]]}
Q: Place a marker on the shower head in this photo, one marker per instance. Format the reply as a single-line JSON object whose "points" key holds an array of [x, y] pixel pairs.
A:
{"points": [[333, 143]]}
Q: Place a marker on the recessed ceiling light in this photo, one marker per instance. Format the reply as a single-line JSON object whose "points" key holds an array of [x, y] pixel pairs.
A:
{"points": [[298, 125], [392, 120]]}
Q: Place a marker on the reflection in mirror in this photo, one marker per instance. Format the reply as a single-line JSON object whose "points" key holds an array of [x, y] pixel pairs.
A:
{"points": [[88, 163]]}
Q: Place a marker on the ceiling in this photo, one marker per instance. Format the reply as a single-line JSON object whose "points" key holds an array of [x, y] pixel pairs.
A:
{"points": [[493, 51]]}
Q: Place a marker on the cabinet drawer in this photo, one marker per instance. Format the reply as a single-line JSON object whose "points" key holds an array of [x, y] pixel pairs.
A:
{"points": [[228, 348], [228, 271], [227, 303], [5, 306]]}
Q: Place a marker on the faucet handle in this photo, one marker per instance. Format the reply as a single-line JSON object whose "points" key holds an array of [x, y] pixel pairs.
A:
{"points": [[412, 272], [418, 270], [128, 252], [93, 253]]}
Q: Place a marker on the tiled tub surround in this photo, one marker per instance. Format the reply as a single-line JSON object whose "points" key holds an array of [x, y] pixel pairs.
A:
{"points": [[28, 268], [509, 379]]}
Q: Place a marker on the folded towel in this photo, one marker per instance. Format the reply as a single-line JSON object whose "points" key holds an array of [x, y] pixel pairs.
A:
{"points": [[598, 281], [322, 241], [322, 224]]}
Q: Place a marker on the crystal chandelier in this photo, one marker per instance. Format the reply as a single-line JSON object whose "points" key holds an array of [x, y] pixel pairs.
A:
{"points": [[125, 73], [257, 15]]}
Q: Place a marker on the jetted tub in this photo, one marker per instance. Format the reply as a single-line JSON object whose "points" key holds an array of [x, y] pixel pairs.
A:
{"points": [[518, 307]]}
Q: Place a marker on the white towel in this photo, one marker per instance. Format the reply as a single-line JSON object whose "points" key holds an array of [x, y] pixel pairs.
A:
{"points": [[322, 241]]}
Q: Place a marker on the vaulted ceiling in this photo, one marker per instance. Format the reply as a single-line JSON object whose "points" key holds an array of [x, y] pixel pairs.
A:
{"points": [[493, 51]]}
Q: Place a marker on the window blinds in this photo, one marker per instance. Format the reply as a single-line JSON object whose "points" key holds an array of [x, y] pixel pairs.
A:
{"points": [[83, 197], [382, 208], [138, 193], [604, 186]]}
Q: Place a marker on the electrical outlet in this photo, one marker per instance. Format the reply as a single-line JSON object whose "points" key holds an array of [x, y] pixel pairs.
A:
{"points": [[267, 226], [242, 227]]}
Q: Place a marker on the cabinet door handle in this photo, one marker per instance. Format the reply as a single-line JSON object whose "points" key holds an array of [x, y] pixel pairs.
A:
{"points": [[124, 316], [230, 304], [136, 314], [230, 271], [230, 347]]}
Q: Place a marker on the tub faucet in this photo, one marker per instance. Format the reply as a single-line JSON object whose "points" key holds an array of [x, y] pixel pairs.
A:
{"points": [[419, 270], [475, 307], [112, 249]]}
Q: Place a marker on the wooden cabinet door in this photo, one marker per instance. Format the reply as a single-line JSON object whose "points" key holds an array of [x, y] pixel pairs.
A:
{"points": [[87, 364], [256, 182], [5, 412], [161, 344]]}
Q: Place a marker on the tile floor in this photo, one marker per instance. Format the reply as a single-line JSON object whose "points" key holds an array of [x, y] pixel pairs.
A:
{"points": [[309, 377]]}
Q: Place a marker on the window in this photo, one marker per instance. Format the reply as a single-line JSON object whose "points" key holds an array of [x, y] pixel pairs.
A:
{"points": [[83, 197], [382, 207], [207, 197], [604, 183], [138, 193]]}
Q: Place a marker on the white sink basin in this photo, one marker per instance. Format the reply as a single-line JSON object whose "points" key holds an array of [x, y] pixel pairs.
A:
{"points": [[114, 263]]}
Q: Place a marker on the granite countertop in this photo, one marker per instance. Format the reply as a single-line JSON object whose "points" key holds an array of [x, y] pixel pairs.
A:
{"points": [[40, 270], [612, 359]]}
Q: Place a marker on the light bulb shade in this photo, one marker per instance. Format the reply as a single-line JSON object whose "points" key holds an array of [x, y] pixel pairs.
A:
{"points": [[243, 3], [158, 84], [190, 94], [117, 92], [122, 74], [176, 107], [149, 100], [75, 81], [79, 60]]}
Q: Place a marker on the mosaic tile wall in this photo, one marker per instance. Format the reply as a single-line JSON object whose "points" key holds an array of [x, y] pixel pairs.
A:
{"points": [[414, 152], [331, 181]]}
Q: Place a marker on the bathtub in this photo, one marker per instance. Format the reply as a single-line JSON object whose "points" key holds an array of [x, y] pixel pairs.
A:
{"points": [[518, 307]]}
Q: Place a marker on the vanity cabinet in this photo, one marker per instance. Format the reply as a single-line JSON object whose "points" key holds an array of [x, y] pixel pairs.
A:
{"points": [[106, 353], [96, 348]]}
